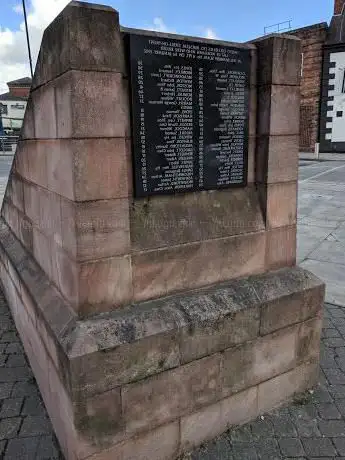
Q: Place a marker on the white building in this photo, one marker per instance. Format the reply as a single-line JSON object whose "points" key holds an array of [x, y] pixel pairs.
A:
{"points": [[13, 105]]}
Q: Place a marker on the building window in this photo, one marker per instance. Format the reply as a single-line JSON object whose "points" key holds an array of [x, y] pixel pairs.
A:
{"points": [[343, 85], [3, 109], [18, 106], [302, 64], [339, 113]]}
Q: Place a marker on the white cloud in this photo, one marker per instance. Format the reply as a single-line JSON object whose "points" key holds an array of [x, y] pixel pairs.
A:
{"points": [[13, 48], [18, 8], [210, 33], [159, 25]]}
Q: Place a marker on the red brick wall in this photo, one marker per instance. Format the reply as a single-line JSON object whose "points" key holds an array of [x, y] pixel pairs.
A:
{"points": [[338, 6], [313, 38], [19, 91]]}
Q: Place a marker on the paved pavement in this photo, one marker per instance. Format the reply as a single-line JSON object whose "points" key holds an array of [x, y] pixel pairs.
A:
{"points": [[321, 225], [310, 428]]}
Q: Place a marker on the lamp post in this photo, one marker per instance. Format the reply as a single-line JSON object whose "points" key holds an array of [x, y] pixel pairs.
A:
{"points": [[27, 38]]}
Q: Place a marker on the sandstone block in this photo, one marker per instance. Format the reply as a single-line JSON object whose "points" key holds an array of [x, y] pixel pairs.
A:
{"points": [[123, 363], [28, 129], [259, 360], [278, 110], [42, 207], [146, 405], [91, 104], [159, 444], [65, 274], [308, 345], [279, 60], [102, 229], [277, 159], [157, 273], [208, 337], [31, 161], [102, 169], [49, 213], [105, 283], [84, 170], [99, 418], [281, 247], [42, 251], [281, 204], [10, 214], [96, 229], [280, 389], [60, 167], [213, 420], [165, 221], [16, 191], [44, 112], [291, 309], [83, 38]]}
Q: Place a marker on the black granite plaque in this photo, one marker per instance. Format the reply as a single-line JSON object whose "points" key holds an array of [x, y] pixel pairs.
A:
{"points": [[190, 115]]}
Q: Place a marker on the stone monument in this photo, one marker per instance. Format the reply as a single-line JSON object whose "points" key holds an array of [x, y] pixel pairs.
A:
{"points": [[148, 236]]}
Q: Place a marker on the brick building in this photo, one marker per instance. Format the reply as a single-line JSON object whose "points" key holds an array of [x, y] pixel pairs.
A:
{"points": [[323, 84], [13, 105]]}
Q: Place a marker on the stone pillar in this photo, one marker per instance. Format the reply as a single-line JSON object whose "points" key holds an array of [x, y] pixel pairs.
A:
{"points": [[278, 143], [72, 168]]}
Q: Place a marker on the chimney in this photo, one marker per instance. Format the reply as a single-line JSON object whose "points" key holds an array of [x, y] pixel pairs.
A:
{"points": [[338, 6]]}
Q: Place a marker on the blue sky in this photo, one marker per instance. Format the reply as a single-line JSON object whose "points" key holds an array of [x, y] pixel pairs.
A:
{"points": [[233, 20]]}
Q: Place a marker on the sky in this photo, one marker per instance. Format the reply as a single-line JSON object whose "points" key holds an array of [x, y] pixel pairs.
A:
{"points": [[233, 20]]}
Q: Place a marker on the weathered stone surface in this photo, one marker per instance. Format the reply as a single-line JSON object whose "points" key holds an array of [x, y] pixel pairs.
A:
{"points": [[207, 337], [102, 168], [157, 273], [91, 105], [26, 232], [146, 405], [281, 204], [291, 309], [99, 418], [163, 221], [216, 418], [31, 161], [28, 128], [96, 229], [274, 392], [44, 112], [259, 360], [10, 214], [279, 60], [42, 251], [125, 363], [281, 248], [82, 37], [43, 208], [65, 274], [104, 284], [308, 345], [161, 443], [59, 174], [272, 119], [15, 192], [277, 159]]}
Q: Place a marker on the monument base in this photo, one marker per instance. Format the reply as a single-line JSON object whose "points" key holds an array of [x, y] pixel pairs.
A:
{"points": [[156, 379]]}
